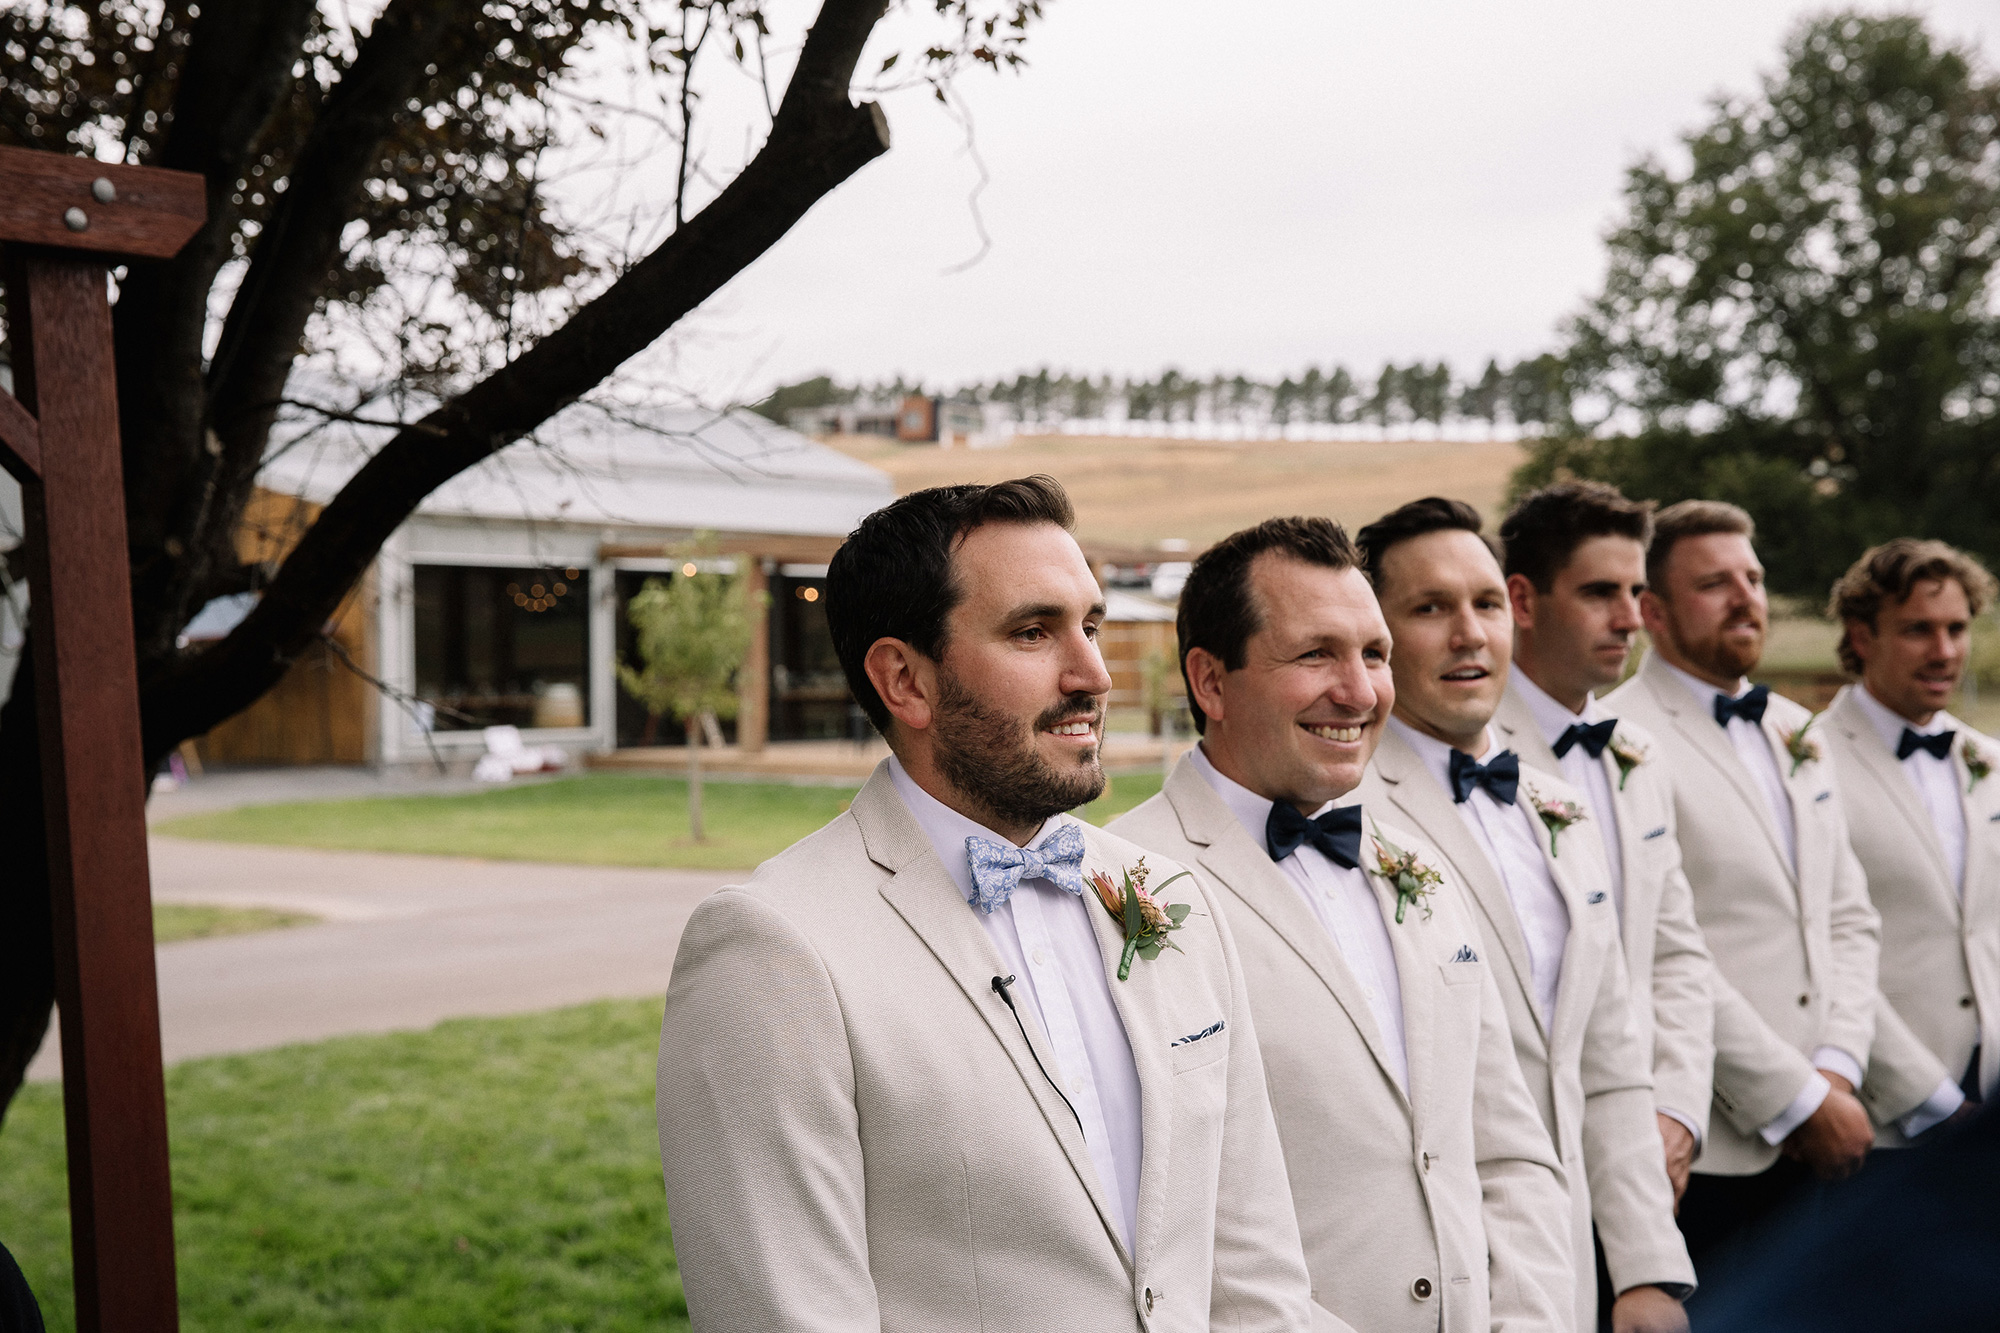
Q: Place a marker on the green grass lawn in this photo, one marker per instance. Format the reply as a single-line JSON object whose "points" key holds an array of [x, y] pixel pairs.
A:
{"points": [[594, 820], [488, 1176], [198, 921]]}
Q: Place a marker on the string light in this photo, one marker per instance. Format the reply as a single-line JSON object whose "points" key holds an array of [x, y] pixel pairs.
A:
{"points": [[688, 570]]}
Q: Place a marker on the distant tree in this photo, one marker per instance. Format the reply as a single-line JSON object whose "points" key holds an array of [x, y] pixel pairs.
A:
{"points": [[819, 391], [1803, 317], [1385, 402], [694, 633], [1480, 399], [1340, 395], [1538, 392], [1427, 391]]}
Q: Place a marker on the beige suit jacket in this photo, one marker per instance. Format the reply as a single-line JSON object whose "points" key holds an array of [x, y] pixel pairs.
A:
{"points": [[1795, 955], [856, 1136], [1587, 1070], [1666, 960], [1454, 1184], [1940, 974]]}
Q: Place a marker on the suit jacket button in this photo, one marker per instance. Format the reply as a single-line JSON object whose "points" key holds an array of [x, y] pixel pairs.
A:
{"points": [[1965, 1001], [1427, 1161], [1421, 1289], [1804, 1000], [1149, 1300]]}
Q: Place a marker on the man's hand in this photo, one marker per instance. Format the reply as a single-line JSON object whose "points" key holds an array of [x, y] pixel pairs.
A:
{"points": [[1648, 1309], [1835, 1139], [1679, 1144]]}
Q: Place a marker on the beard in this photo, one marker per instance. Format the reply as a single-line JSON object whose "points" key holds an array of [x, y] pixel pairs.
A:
{"points": [[1719, 656], [991, 757]]}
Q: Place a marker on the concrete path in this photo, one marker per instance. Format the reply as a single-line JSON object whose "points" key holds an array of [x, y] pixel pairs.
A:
{"points": [[404, 942]]}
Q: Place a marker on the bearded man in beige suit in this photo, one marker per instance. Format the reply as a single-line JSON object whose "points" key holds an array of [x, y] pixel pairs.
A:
{"points": [[1427, 1191], [1520, 844], [913, 1075], [1781, 899], [1575, 560], [1932, 850]]}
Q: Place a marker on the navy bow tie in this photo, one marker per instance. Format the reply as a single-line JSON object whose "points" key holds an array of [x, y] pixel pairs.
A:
{"points": [[1750, 707], [1500, 775], [1337, 833], [1938, 743], [1592, 736]]}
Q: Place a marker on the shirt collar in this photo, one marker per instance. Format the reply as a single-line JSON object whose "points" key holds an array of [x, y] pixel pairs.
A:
{"points": [[1551, 717], [1435, 753], [947, 829], [1889, 724], [1251, 810], [1705, 693]]}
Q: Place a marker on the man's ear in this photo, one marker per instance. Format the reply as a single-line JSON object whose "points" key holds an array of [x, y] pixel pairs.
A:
{"points": [[1521, 599], [1653, 613], [1860, 637], [906, 680], [1204, 679]]}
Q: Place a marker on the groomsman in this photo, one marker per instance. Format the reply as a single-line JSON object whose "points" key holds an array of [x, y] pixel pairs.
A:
{"points": [[1523, 846], [1575, 559], [1428, 1195], [913, 1074], [1781, 899], [1932, 854]]}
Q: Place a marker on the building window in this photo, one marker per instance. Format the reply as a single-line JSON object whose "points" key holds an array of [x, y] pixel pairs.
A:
{"points": [[809, 696], [498, 645]]}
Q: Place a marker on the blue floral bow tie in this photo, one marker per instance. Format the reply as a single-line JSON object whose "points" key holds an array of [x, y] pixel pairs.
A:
{"points": [[1500, 775], [997, 868], [1938, 743], [1592, 736], [1750, 707], [1337, 833]]}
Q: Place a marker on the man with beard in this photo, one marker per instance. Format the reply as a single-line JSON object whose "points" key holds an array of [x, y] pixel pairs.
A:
{"points": [[914, 1074], [1777, 890], [1521, 844], [1932, 853], [1428, 1195]]}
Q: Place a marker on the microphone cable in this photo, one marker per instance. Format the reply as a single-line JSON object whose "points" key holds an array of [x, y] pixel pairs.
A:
{"points": [[1000, 985]]}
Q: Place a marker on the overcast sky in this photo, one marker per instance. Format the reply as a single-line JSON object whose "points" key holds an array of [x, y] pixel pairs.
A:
{"points": [[1256, 188]]}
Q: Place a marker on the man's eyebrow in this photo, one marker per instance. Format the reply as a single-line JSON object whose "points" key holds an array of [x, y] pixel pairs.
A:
{"points": [[1047, 611]]}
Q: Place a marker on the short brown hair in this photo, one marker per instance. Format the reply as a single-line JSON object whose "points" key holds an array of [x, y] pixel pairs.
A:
{"points": [[1543, 530], [1418, 518], [1217, 612], [1691, 518], [1890, 573]]}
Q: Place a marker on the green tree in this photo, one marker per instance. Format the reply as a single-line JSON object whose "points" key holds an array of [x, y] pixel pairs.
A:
{"points": [[694, 632], [1802, 318]]}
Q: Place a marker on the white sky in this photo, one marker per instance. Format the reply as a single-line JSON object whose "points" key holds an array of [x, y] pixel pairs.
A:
{"points": [[1255, 188]]}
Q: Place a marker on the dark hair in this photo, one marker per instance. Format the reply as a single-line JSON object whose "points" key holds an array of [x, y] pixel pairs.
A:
{"points": [[1418, 518], [1543, 530], [892, 577], [1890, 573], [1691, 518], [1217, 612]]}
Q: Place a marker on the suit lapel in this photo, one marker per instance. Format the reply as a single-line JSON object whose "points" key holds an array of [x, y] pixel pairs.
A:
{"points": [[1697, 723], [1981, 891], [1574, 990], [923, 894], [1886, 772], [1802, 788]]}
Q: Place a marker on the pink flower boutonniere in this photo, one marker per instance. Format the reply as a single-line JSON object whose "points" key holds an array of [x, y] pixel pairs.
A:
{"points": [[1977, 766], [1802, 748], [1556, 815], [1628, 754], [1410, 878], [1147, 917]]}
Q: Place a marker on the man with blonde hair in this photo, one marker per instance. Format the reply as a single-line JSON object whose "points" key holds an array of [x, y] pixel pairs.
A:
{"points": [[1932, 853]]}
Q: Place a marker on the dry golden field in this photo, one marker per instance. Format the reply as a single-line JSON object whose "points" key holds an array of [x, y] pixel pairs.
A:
{"points": [[1139, 492]]}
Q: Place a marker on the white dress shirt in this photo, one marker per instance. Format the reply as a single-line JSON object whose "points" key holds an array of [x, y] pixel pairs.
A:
{"points": [[1580, 770], [1511, 838], [1044, 937], [1936, 782], [1753, 749], [1346, 906]]}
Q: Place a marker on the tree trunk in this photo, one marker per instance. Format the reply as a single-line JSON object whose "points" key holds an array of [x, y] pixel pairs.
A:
{"points": [[694, 779]]}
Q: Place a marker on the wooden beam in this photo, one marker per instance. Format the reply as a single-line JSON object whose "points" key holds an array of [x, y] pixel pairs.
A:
{"points": [[78, 203], [753, 715], [21, 436], [793, 549]]}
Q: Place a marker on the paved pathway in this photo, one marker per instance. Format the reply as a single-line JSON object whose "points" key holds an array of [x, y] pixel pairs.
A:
{"points": [[404, 941]]}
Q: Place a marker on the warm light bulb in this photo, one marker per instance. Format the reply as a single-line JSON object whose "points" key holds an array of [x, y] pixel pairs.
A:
{"points": [[561, 588], [689, 570], [812, 594]]}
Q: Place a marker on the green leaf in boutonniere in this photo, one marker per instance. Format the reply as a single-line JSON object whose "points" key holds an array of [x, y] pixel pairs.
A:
{"points": [[1977, 766], [1628, 754], [1410, 878], [1556, 815], [1147, 918], [1802, 748]]}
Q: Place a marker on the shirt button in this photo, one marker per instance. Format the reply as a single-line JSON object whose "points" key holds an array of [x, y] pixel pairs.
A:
{"points": [[1965, 1001], [1041, 957], [1804, 1000], [1421, 1289]]}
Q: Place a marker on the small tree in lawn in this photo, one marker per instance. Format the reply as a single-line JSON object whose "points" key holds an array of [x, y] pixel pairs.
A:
{"points": [[694, 632]]}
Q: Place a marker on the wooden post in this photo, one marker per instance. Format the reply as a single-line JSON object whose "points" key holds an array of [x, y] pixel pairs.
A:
{"points": [[65, 221], [753, 716]]}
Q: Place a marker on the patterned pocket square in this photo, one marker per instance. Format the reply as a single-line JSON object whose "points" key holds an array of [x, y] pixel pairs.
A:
{"points": [[1659, 832], [1209, 1031], [1826, 795], [1465, 955], [1596, 897]]}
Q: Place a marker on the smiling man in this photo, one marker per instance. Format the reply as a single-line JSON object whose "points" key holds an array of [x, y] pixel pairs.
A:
{"points": [[1428, 1195], [904, 1080], [1932, 853], [1523, 845]]}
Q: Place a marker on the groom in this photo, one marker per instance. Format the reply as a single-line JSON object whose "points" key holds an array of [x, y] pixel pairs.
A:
{"points": [[911, 1074]]}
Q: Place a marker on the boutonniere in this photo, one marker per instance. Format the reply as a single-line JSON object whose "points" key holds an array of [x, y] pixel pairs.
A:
{"points": [[1146, 916], [1977, 766], [1556, 815], [1410, 878], [1628, 754], [1802, 748]]}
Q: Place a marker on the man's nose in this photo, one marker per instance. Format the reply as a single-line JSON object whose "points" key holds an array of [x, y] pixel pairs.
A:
{"points": [[1085, 672]]}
